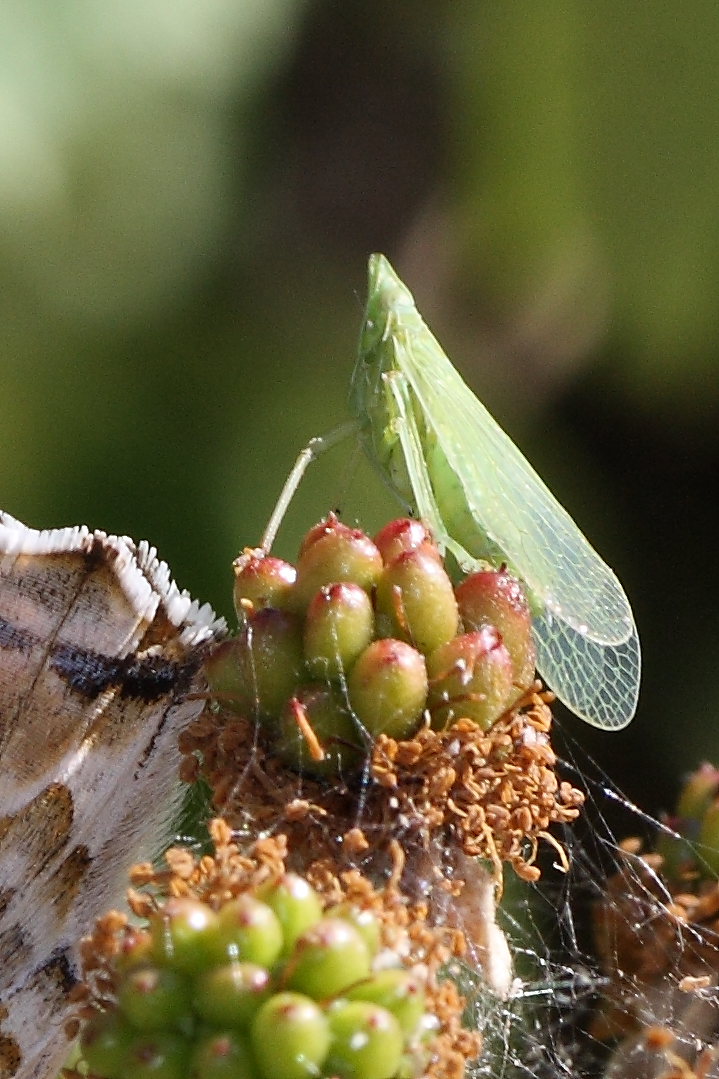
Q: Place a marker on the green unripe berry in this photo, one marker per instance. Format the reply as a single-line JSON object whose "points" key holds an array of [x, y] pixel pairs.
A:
{"points": [[225, 670], [339, 624], [387, 688], [415, 601], [290, 1038], [160, 1055], [229, 996], [155, 997], [366, 1043], [185, 934], [105, 1043], [136, 950], [261, 580], [254, 673], [250, 931], [470, 677], [398, 990], [328, 958], [295, 902], [222, 1055], [364, 921], [317, 733]]}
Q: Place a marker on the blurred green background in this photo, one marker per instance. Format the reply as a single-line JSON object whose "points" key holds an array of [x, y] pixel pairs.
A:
{"points": [[188, 194]]}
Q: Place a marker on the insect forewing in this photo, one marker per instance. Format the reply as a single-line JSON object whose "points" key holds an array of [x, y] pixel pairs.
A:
{"points": [[599, 682], [494, 506]]}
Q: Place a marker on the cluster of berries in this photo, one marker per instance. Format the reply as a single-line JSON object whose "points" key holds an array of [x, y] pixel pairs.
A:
{"points": [[366, 637], [272, 985]]}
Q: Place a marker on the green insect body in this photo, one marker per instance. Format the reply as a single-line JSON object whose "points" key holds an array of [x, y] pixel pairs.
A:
{"points": [[443, 453]]}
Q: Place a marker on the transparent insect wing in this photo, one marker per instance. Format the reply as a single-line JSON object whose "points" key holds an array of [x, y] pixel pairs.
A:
{"points": [[516, 510], [599, 682], [493, 503]]}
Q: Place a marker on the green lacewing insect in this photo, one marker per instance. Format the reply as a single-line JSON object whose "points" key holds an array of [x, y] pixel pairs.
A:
{"points": [[442, 451]]}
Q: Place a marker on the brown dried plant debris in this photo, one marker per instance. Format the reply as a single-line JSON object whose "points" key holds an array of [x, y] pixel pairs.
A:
{"points": [[488, 794], [655, 1053], [231, 871], [658, 945]]}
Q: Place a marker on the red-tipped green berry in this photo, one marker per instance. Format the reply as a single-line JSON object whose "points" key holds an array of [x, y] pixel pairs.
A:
{"points": [[339, 624], [155, 997], [290, 1037], [388, 688], [185, 934], [226, 670], [367, 1041], [261, 580], [296, 904], [228, 996], [364, 921], [159, 1055], [404, 534], [136, 950], [328, 526], [415, 601], [328, 958], [470, 677], [250, 931], [223, 1055], [398, 990], [496, 598], [343, 554]]}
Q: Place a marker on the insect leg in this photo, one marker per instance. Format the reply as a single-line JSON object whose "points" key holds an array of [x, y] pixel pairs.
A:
{"points": [[314, 449]]}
